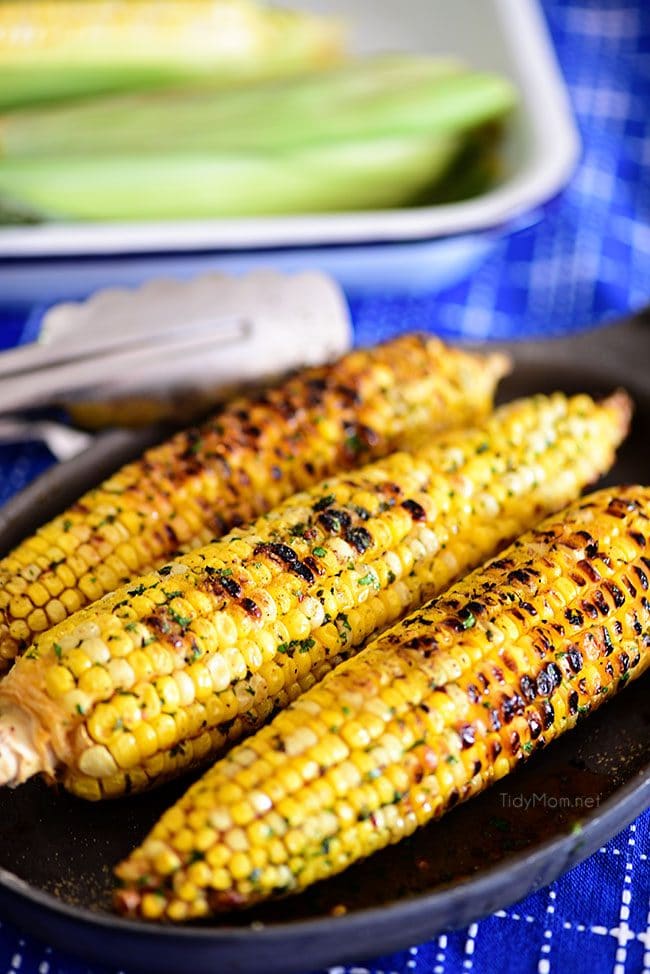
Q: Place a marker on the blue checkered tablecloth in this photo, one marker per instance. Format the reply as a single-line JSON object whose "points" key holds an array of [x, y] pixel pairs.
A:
{"points": [[587, 259]]}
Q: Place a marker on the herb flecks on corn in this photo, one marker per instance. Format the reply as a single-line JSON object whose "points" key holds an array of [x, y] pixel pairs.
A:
{"points": [[427, 715], [242, 462], [162, 674]]}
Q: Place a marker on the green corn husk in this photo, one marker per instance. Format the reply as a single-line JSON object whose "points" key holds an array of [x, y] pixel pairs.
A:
{"points": [[378, 133]]}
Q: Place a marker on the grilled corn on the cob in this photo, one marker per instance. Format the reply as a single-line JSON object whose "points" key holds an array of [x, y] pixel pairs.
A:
{"points": [[239, 464], [427, 715], [162, 673]]}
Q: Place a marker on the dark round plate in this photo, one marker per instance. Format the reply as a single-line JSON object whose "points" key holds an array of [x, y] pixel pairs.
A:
{"points": [[57, 852]]}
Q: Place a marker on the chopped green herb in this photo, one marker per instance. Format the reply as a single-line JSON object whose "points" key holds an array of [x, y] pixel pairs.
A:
{"points": [[469, 621], [302, 645], [183, 621], [320, 552], [354, 444], [57, 649], [370, 579]]}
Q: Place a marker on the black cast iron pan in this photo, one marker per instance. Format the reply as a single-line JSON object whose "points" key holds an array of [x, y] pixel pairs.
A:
{"points": [[56, 852]]}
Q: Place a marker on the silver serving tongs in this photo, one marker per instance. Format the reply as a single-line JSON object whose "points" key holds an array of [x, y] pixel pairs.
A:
{"points": [[173, 343], [36, 375]]}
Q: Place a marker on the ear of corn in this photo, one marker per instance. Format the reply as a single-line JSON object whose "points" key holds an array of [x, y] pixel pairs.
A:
{"points": [[59, 49], [240, 463], [427, 715], [164, 672]]}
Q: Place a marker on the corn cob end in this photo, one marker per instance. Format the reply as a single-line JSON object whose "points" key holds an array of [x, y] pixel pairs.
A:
{"points": [[498, 365], [619, 403]]}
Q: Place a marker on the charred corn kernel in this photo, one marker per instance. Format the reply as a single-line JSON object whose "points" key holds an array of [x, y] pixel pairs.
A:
{"points": [[546, 682], [233, 689], [372, 401]]}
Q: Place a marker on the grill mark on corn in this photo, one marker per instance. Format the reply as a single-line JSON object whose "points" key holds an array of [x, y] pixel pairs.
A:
{"points": [[286, 556], [168, 630], [359, 538], [416, 510], [641, 576]]}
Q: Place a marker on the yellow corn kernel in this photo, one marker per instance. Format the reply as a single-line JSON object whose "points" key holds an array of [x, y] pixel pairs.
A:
{"points": [[153, 906], [97, 762], [165, 729], [58, 680], [96, 682], [77, 662], [146, 740]]}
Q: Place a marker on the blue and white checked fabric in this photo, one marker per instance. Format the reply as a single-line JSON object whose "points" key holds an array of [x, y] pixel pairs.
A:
{"points": [[588, 259]]}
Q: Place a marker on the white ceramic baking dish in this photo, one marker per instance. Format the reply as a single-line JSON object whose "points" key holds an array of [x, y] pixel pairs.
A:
{"points": [[542, 146]]}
